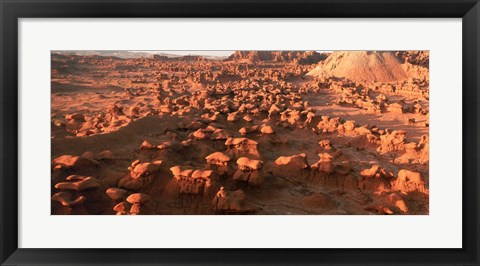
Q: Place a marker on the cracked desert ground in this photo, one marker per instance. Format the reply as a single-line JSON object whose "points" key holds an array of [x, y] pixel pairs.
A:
{"points": [[255, 132]]}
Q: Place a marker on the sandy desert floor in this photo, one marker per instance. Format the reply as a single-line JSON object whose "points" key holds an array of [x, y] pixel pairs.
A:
{"points": [[255, 133]]}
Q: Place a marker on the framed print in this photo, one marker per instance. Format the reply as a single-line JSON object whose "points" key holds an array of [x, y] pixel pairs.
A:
{"points": [[267, 132]]}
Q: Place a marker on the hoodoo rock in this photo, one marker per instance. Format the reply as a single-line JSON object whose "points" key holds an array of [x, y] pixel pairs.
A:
{"points": [[84, 189], [141, 174], [242, 147], [138, 201], [219, 161], [81, 185], [249, 171], [116, 193], [67, 204], [192, 182], [230, 202], [74, 162], [325, 164], [408, 181], [66, 200], [267, 130], [291, 166]]}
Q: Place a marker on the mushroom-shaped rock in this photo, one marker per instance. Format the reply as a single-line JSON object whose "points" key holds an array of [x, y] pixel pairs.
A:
{"points": [[138, 198], [248, 170], [230, 201], [191, 181], [140, 175], [295, 166], [243, 131], [211, 127], [294, 162], [136, 209], [267, 130], [122, 207], [116, 193], [144, 169], [218, 158], [247, 130], [220, 134], [164, 145], [85, 184], [74, 162], [181, 171], [66, 200], [200, 134], [245, 163], [219, 161], [248, 118], [242, 147]]}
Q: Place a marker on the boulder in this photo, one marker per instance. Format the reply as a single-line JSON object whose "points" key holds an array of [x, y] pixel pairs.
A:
{"points": [[408, 181], [230, 202]]}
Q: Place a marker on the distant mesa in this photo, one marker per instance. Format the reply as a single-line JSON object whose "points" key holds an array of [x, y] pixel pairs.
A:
{"points": [[119, 55], [366, 66], [300, 57], [188, 58]]}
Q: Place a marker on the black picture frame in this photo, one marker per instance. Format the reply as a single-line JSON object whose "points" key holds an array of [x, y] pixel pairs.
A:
{"points": [[11, 11]]}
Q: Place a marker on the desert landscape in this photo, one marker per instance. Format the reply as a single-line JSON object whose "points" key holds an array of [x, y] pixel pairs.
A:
{"points": [[240, 132]]}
